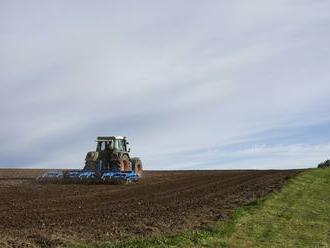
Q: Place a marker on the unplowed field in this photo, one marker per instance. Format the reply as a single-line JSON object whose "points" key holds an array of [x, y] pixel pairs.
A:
{"points": [[162, 202]]}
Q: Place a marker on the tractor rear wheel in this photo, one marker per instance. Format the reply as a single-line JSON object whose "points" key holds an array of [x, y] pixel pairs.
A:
{"points": [[125, 164], [137, 166], [122, 164], [115, 165]]}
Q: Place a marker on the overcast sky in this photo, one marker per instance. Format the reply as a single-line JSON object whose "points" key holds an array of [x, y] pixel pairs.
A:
{"points": [[193, 84]]}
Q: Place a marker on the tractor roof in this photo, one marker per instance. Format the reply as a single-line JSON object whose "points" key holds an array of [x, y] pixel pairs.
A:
{"points": [[107, 138]]}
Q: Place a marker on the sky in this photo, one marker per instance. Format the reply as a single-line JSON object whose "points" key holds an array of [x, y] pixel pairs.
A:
{"points": [[192, 84]]}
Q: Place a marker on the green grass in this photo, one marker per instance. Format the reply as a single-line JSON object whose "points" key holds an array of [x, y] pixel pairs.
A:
{"points": [[297, 216]]}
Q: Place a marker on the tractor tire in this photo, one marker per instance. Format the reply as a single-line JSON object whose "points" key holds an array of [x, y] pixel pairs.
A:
{"points": [[90, 165], [92, 156], [115, 165], [125, 163], [137, 166]]}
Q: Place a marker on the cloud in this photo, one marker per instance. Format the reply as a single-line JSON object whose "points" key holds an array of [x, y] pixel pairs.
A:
{"points": [[290, 156], [176, 79]]}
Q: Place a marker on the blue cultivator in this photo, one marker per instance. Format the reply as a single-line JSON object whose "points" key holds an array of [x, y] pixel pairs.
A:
{"points": [[89, 177], [51, 176], [76, 176], [119, 176], [72, 176]]}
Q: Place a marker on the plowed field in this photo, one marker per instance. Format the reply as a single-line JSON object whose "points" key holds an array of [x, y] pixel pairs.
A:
{"points": [[162, 202]]}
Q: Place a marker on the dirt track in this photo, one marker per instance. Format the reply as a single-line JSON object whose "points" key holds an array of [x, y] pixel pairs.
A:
{"points": [[162, 202]]}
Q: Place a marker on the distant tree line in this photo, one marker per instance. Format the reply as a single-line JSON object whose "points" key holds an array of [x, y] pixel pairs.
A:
{"points": [[325, 164]]}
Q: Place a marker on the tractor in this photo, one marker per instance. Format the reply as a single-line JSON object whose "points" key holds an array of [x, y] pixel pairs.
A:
{"points": [[110, 162], [112, 153]]}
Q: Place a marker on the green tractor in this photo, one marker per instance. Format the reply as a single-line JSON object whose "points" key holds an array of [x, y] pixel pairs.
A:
{"points": [[112, 154], [110, 162]]}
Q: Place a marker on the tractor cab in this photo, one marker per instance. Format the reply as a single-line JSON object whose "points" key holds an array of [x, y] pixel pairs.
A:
{"points": [[115, 143]]}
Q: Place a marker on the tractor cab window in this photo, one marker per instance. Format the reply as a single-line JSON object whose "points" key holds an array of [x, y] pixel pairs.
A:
{"points": [[119, 145], [104, 145], [100, 146]]}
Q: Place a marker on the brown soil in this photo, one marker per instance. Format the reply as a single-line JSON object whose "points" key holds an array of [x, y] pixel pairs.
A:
{"points": [[33, 214]]}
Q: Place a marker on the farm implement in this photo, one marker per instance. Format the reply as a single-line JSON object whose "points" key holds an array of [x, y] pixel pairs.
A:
{"points": [[109, 163]]}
